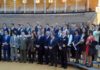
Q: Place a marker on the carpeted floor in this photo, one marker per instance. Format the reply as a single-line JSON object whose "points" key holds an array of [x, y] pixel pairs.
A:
{"points": [[27, 66]]}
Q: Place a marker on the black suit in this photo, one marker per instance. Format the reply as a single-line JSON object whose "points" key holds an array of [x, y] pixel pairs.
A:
{"points": [[53, 51], [46, 49], [63, 51], [40, 49]]}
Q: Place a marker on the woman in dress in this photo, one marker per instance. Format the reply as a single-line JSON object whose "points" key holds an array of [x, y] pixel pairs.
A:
{"points": [[90, 50]]}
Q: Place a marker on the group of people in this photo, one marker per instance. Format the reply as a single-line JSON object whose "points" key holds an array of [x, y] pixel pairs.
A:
{"points": [[47, 44]]}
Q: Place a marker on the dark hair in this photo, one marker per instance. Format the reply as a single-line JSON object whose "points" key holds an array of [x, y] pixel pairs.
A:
{"points": [[12, 24], [19, 24]]}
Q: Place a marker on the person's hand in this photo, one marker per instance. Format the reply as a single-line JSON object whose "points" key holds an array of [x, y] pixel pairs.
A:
{"points": [[6, 43], [60, 48], [45, 47], [37, 46], [50, 48], [64, 45]]}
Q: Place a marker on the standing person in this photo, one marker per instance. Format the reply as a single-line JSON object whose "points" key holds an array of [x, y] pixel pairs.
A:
{"points": [[39, 46], [53, 50], [37, 28], [31, 48], [19, 28], [0, 45], [46, 47], [14, 47], [77, 48], [90, 48], [84, 36], [23, 53], [96, 34], [70, 39], [28, 40], [5, 28], [63, 50], [13, 28], [6, 46], [47, 28]]}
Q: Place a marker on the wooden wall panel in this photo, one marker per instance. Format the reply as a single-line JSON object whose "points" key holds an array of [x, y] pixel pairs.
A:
{"points": [[60, 4]]}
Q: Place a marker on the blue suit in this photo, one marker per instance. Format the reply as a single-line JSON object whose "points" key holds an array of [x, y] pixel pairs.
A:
{"points": [[40, 41], [6, 47], [52, 43], [6, 29], [13, 30], [19, 31]]}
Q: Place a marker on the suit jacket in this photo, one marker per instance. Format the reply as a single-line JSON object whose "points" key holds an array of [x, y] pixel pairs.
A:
{"points": [[31, 46], [18, 31], [6, 39], [14, 42], [53, 42], [46, 40], [40, 40], [5, 29], [46, 29], [22, 43], [13, 30], [64, 41]]}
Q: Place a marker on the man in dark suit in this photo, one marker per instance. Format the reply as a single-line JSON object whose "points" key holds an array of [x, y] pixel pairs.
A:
{"points": [[47, 28], [46, 47], [63, 50], [5, 28], [40, 46], [6, 46], [37, 28], [53, 50], [19, 28], [13, 29]]}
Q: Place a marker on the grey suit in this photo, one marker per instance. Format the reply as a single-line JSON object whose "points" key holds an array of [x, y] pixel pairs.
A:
{"points": [[23, 52], [13, 45]]}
